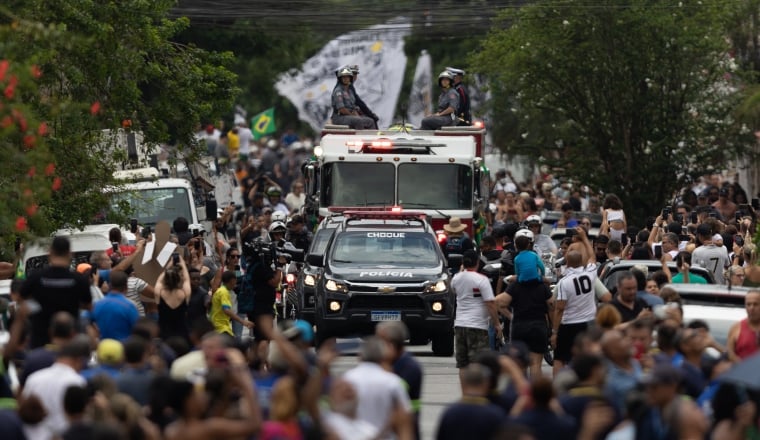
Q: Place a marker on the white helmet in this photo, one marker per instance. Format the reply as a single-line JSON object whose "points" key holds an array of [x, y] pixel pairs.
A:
{"points": [[533, 219], [277, 226], [279, 216], [524, 233]]}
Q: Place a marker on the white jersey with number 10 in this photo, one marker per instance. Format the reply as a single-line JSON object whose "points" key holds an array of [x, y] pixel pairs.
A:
{"points": [[577, 288]]}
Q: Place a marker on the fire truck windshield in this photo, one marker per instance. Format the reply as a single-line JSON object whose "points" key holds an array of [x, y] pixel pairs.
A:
{"points": [[357, 184], [438, 186]]}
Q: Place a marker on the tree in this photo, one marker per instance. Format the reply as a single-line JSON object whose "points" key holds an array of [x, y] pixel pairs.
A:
{"points": [[630, 97], [112, 64]]}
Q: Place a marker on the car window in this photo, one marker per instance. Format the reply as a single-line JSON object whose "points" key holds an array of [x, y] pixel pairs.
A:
{"points": [[408, 249], [321, 239]]}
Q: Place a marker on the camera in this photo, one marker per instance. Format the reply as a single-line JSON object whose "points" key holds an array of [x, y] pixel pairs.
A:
{"points": [[269, 253]]}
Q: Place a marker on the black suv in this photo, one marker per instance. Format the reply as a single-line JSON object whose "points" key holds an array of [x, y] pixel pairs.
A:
{"points": [[379, 266]]}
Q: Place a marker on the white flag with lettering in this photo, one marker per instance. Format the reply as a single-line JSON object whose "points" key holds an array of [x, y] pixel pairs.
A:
{"points": [[420, 98], [379, 53]]}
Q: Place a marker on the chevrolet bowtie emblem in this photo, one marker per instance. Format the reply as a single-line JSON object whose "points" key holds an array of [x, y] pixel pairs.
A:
{"points": [[386, 289]]}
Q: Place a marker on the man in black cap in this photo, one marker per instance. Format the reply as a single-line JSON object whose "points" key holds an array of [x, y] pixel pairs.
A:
{"points": [[724, 205], [463, 110]]}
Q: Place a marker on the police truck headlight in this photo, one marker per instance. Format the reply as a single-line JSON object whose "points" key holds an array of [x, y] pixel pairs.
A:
{"points": [[437, 287], [332, 286], [309, 280]]}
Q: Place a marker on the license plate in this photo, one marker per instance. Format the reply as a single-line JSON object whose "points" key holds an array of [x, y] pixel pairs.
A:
{"points": [[386, 316]]}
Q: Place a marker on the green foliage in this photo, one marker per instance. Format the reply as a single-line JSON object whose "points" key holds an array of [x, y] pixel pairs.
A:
{"points": [[631, 97], [106, 65]]}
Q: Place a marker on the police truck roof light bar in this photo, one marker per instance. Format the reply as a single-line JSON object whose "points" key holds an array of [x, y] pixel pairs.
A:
{"points": [[385, 215]]}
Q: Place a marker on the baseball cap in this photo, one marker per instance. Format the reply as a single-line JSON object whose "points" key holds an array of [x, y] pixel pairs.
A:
{"points": [[662, 374], [110, 351], [84, 268], [704, 229]]}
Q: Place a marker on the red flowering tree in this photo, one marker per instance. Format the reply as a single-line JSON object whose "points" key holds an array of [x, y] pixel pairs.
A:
{"points": [[28, 174]]}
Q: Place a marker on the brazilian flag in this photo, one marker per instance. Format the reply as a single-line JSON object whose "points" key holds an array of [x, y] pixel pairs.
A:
{"points": [[263, 124]]}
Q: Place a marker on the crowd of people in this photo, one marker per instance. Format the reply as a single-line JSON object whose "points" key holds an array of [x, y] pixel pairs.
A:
{"points": [[626, 362], [101, 353]]}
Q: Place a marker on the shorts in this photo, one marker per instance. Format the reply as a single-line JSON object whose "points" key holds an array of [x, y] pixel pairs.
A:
{"points": [[469, 342], [535, 334], [565, 340]]}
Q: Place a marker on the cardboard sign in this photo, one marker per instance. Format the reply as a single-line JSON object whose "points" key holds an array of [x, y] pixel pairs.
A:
{"points": [[146, 265]]}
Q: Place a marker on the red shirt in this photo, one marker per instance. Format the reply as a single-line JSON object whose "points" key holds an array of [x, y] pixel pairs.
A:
{"points": [[125, 250], [746, 343]]}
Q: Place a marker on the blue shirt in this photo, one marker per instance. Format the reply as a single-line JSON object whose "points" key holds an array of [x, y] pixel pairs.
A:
{"points": [[529, 267], [620, 382], [115, 316], [650, 299], [108, 370]]}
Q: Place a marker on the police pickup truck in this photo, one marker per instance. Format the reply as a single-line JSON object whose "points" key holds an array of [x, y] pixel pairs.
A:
{"points": [[379, 266]]}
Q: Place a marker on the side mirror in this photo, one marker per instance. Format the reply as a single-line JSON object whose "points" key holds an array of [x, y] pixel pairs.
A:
{"points": [[315, 260]]}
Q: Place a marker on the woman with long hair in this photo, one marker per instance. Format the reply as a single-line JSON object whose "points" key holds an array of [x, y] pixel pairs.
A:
{"points": [[172, 296]]}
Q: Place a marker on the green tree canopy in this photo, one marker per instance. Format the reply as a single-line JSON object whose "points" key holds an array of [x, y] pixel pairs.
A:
{"points": [[631, 97], [108, 65]]}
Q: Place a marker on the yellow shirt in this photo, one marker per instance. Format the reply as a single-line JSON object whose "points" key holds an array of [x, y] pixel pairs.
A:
{"points": [[219, 301], [233, 144]]}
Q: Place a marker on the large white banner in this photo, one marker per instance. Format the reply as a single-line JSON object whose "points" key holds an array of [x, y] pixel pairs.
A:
{"points": [[420, 98], [379, 53]]}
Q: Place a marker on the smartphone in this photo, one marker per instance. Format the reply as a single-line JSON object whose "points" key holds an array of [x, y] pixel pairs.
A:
{"points": [[739, 240], [756, 204], [133, 226], [624, 238], [658, 251], [664, 213], [570, 232], [684, 237], [693, 217], [197, 244], [146, 232], [175, 258], [115, 246], [738, 216]]}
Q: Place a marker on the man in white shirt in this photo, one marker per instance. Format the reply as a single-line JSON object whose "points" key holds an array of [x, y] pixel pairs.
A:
{"points": [[475, 306], [341, 420], [382, 399], [50, 384], [246, 136], [575, 307]]}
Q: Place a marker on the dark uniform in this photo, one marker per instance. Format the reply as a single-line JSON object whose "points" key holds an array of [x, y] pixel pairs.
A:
{"points": [[365, 111], [448, 98], [343, 97]]}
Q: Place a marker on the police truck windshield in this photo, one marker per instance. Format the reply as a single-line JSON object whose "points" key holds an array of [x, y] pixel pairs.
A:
{"points": [[435, 186], [409, 249]]}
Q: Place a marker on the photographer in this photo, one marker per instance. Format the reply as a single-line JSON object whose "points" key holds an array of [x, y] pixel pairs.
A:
{"points": [[265, 271]]}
